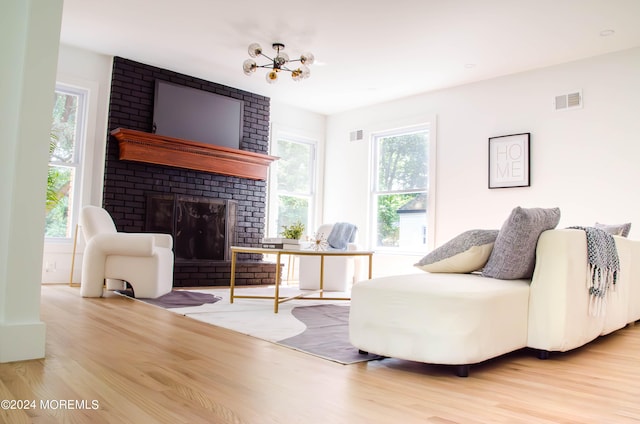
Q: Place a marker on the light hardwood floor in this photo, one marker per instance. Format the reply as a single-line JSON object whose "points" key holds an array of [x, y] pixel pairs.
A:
{"points": [[145, 365]]}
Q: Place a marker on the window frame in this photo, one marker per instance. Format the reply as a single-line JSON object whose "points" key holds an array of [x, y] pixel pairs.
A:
{"points": [[375, 192], [272, 228], [77, 163]]}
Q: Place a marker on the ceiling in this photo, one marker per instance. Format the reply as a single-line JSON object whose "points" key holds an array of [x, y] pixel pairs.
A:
{"points": [[367, 51]]}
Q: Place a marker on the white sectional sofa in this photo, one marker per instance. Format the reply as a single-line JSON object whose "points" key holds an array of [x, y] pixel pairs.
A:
{"points": [[464, 319]]}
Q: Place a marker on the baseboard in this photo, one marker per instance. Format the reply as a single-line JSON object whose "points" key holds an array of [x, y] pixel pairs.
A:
{"points": [[21, 342]]}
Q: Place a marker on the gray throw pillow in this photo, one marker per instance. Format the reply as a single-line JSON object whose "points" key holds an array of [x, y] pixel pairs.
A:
{"points": [[514, 252], [616, 230], [467, 252]]}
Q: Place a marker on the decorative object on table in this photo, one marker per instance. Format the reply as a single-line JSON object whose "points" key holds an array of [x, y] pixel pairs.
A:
{"points": [[319, 242], [509, 161], [280, 243], [293, 231], [280, 62]]}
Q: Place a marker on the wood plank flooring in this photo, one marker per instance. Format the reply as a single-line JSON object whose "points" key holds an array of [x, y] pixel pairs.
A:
{"points": [[135, 363]]}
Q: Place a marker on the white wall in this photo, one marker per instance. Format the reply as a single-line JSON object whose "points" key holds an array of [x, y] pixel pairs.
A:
{"points": [[582, 160], [90, 71]]}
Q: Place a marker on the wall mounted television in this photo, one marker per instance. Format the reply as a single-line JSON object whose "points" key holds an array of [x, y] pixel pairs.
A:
{"points": [[188, 113]]}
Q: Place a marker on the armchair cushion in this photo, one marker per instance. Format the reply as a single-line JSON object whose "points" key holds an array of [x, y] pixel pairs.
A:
{"points": [[127, 244]]}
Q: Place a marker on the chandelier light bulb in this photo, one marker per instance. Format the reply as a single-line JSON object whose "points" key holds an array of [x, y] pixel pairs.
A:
{"points": [[305, 72], [307, 58], [296, 74], [282, 59], [272, 77], [249, 66], [255, 50]]}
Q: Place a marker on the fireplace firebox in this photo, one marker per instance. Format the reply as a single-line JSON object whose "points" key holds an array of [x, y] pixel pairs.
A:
{"points": [[203, 228]]}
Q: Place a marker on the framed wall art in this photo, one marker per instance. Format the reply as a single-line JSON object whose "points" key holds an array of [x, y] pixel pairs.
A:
{"points": [[509, 161]]}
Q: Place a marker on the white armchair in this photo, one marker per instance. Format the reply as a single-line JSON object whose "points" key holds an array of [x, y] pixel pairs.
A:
{"points": [[143, 260], [339, 271]]}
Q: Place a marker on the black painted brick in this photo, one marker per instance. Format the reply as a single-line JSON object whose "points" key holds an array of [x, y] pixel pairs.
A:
{"points": [[126, 184]]}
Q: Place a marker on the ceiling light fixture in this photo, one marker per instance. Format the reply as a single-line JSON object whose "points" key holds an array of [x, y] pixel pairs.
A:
{"points": [[280, 62]]}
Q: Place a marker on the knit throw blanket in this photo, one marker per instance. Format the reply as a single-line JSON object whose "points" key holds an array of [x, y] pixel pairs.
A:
{"points": [[603, 267]]}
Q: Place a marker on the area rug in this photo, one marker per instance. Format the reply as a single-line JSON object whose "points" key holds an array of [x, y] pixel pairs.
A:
{"points": [[326, 322], [176, 298], [316, 327]]}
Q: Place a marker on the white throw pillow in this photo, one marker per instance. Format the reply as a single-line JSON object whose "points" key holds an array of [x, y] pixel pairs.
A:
{"points": [[465, 253]]}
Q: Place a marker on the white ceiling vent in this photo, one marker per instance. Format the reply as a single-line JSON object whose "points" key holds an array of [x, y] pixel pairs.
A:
{"points": [[567, 101], [356, 135]]}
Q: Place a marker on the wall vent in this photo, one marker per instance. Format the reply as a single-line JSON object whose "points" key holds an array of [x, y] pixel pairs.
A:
{"points": [[571, 100], [356, 135]]}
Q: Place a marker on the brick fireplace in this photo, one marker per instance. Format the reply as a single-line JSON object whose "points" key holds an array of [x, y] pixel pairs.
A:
{"points": [[130, 187]]}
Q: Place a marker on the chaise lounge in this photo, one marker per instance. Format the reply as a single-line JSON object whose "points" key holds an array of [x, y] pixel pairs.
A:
{"points": [[463, 319]]}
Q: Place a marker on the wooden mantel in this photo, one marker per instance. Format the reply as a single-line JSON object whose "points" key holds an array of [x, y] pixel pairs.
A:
{"points": [[140, 146]]}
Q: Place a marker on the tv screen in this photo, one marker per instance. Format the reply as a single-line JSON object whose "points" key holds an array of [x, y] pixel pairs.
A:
{"points": [[197, 115]]}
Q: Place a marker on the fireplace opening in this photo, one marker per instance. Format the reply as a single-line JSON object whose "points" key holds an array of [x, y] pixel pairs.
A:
{"points": [[202, 228]]}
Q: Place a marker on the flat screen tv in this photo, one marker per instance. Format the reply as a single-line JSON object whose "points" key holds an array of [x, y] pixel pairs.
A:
{"points": [[197, 115]]}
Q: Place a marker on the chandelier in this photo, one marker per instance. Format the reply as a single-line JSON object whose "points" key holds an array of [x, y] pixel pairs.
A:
{"points": [[280, 62]]}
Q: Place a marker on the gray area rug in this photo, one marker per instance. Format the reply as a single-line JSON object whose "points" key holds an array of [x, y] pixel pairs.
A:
{"points": [[319, 328], [177, 298], [327, 334]]}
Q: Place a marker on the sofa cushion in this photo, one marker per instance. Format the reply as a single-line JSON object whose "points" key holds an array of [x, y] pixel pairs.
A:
{"points": [[615, 229], [467, 252], [514, 252]]}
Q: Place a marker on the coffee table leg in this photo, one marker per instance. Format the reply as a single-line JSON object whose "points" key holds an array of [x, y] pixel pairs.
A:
{"points": [[276, 301], [233, 275], [321, 275]]}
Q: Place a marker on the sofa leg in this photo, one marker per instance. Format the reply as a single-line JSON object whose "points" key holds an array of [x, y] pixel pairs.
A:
{"points": [[462, 370], [543, 354]]}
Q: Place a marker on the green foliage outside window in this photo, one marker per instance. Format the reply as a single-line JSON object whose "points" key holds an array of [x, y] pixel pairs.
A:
{"points": [[291, 210], [295, 180], [61, 164], [402, 167], [389, 219]]}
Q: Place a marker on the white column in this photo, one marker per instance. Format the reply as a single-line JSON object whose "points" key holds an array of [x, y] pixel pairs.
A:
{"points": [[29, 39]]}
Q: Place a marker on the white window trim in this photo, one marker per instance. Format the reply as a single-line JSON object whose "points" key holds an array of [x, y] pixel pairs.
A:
{"points": [[431, 125], [279, 132], [78, 158]]}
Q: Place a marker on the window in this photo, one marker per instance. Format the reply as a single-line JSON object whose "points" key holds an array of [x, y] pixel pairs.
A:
{"points": [[401, 187], [294, 183], [65, 145]]}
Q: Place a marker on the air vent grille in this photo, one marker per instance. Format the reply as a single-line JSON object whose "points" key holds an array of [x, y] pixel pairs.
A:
{"points": [[356, 135], [571, 100]]}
